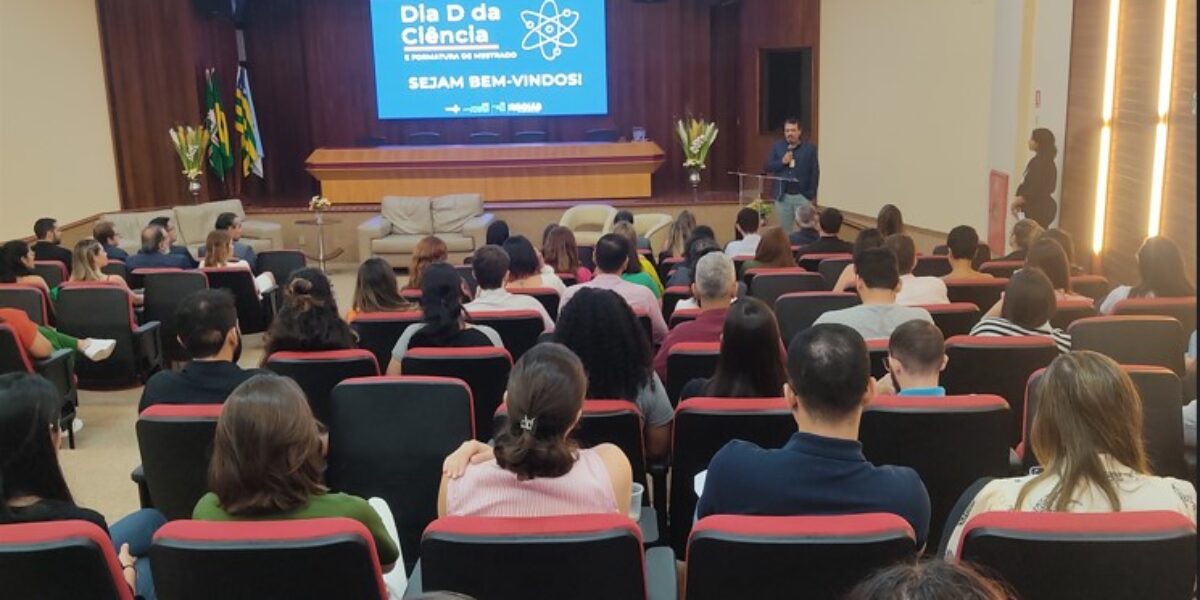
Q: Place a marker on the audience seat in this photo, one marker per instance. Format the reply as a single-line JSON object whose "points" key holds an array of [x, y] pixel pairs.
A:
{"points": [[484, 369], [412, 295], [588, 222], [424, 138], [1095, 287], [379, 332], [956, 318], [931, 266], [1069, 311], [101, 310], [682, 315], [1133, 340], [303, 558], [585, 255], [254, 312], [388, 437], [116, 267], [797, 311], [949, 441], [671, 297], [667, 265], [28, 298], [831, 269], [1183, 309], [279, 263], [549, 297], [702, 427], [519, 329], [877, 352], [468, 275], [769, 284], [688, 361], [165, 290], [983, 293], [739, 264], [568, 279], [318, 372], [765, 558], [59, 560], [1051, 555], [997, 365], [56, 368], [583, 557], [812, 262], [175, 443], [54, 272], [1001, 268], [483, 137]]}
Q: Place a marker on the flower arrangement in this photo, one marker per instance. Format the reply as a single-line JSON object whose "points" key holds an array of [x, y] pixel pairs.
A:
{"points": [[189, 143], [697, 137], [763, 207], [319, 204]]}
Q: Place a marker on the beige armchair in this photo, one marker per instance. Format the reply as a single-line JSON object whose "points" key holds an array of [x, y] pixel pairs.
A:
{"points": [[588, 222], [458, 219], [653, 226]]}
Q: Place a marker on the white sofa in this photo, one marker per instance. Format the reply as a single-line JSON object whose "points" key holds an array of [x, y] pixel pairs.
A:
{"points": [[194, 224], [457, 219]]}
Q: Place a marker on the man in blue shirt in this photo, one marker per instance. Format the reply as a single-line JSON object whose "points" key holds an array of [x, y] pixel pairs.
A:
{"points": [[156, 252], [821, 470], [232, 224], [916, 358], [793, 158]]}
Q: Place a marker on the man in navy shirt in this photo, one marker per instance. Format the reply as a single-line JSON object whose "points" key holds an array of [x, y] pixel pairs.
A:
{"points": [[156, 252], [821, 470], [793, 158]]}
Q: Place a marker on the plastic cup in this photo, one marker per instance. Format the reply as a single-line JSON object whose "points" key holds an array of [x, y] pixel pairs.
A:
{"points": [[635, 501]]}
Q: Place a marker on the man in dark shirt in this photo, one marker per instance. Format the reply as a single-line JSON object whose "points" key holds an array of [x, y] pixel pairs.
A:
{"points": [[806, 226], [168, 227], [206, 322], [821, 470], [105, 233], [49, 243], [155, 252], [829, 223], [793, 159]]}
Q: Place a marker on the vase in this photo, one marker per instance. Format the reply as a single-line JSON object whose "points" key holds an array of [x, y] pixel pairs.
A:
{"points": [[193, 188], [694, 179], [320, 216]]}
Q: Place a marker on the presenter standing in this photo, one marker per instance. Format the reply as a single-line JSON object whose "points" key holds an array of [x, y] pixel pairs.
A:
{"points": [[1034, 195], [793, 158]]}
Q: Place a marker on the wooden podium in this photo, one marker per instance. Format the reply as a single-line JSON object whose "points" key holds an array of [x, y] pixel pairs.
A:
{"points": [[500, 172]]}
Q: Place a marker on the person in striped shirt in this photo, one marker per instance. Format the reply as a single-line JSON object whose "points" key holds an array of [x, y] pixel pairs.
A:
{"points": [[1029, 302]]}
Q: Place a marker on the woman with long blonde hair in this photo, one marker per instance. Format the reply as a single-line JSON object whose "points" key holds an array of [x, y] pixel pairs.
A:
{"points": [[678, 234], [88, 262], [431, 249], [218, 253]]}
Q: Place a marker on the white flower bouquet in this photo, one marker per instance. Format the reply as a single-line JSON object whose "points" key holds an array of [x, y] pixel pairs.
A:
{"points": [[189, 143], [319, 204], [697, 137]]}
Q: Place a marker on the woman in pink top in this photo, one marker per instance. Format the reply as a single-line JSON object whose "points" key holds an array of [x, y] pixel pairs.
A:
{"points": [[536, 469]]}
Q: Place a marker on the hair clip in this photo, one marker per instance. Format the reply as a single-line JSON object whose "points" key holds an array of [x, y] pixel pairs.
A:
{"points": [[527, 423]]}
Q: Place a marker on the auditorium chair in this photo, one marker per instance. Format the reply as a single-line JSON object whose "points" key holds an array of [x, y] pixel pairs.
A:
{"points": [[997, 365], [984, 293], [483, 137], [549, 297], [412, 295], [688, 361], [1095, 287], [458, 220], [102, 310], [877, 353], [483, 368], [956, 318], [769, 284], [1183, 309], [931, 266], [768, 557], [682, 315], [279, 263], [568, 279], [529, 137], [54, 272], [388, 437], [379, 332], [797, 311], [31, 299], [739, 264], [175, 444], [468, 276], [1001, 269], [585, 256], [1133, 340], [1069, 311], [588, 222], [424, 138], [59, 560], [812, 262], [56, 368], [519, 329], [318, 372], [831, 269], [671, 296], [255, 311], [925, 432], [1099, 556], [298, 558], [582, 557], [165, 290], [600, 135], [702, 427], [116, 267]]}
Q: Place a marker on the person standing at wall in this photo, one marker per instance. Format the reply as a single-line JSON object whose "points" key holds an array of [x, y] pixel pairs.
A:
{"points": [[1035, 194]]}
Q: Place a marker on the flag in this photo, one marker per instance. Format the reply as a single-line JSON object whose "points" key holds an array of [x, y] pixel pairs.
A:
{"points": [[220, 159], [245, 121]]}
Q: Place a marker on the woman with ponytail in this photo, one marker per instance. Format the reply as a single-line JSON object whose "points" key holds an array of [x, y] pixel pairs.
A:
{"points": [[309, 320], [443, 319], [536, 469]]}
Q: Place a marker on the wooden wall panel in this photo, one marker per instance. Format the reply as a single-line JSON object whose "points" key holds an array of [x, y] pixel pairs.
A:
{"points": [[1179, 198]]}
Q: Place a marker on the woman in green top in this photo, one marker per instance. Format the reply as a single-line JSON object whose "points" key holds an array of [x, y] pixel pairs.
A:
{"points": [[267, 463], [639, 270]]}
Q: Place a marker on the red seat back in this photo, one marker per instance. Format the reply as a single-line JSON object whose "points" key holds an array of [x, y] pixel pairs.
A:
{"points": [[797, 311], [29, 298], [1001, 268], [1183, 309], [1133, 340], [165, 290], [831, 269], [689, 361], [770, 284], [812, 261], [1069, 311], [931, 266], [1095, 287], [379, 332], [59, 560], [671, 296], [549, 298], [105, 311], [956, 318], [254, 312], [983, 293], [54, 272], [519, 329]]}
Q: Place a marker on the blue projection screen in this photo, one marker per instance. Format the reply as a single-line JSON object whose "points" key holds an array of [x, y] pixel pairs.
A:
{"points": [[501, 58]]}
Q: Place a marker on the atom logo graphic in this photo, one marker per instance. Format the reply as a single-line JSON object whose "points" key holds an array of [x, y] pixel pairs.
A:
{"points": [[550, 29]]}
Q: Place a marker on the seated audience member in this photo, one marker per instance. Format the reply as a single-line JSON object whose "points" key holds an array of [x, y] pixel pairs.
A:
{"points": [[877, 283], [889, 221], [309, 320], [746, 224], [562, 254], [526, 269], [1047, 255], [1065, 240], [612, 255], [88, 262], [715, 288], [829, 223], [821, 470], [1087, 435], [774, 251], [963, 243], [1026, 308], [430, 250], [638, 270], [678, 234], [32, 486], [443, 320], [206, 322], [1160, 275], [268, 461], [536, 469], [805, 230], [915, 361], [49, 243], [490, 266], [40, 341], [913, 290], [219, 253], [865, 240], [16, 266], [172, 233], [625, 216], [497, 233], [105, 233], [1024, 233], [605, 334], [232, 224], [155, 252], [930, 580], [751, 361], [376, 290], [696, 247]]}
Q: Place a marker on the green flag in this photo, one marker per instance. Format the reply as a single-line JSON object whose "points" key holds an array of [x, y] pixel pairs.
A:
{"points": [[220, 157]]}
